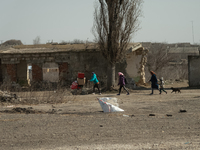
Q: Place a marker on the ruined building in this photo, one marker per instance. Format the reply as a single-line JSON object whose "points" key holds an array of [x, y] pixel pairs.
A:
{"points": [[35, 63]]}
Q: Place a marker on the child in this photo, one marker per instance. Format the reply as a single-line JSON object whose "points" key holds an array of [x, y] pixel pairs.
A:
{"points": [[162, 85], [96, 83]]}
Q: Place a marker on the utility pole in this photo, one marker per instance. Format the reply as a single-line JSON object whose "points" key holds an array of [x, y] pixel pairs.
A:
{"points": [[192, 32]]}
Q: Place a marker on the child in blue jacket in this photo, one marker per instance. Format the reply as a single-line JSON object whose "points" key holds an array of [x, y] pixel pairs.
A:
{"points": [[96, 83]]}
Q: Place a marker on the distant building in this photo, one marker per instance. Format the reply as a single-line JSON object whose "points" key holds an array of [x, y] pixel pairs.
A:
{"points": [[181, 53], [176, 55]]}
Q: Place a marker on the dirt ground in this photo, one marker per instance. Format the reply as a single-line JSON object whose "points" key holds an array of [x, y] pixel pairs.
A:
{"points": [[159, 121]]}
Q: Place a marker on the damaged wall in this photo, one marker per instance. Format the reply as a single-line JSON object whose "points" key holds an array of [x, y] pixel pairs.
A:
{"points": [[50, 72], [87, 62], [136, 61], [69, 63], [193, 71], [22, 70], [133, 65]]}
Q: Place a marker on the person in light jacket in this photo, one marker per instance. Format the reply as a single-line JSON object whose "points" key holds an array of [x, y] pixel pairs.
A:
{"points": [[162, 85]]}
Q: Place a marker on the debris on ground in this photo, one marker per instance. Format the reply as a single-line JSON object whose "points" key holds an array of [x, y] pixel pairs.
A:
{"points": [[28, 110], [182, 110], [109, 104], [151, 114], [128, 115], [6, 96]]}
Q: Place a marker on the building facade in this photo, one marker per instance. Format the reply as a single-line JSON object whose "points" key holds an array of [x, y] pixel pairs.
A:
{"points": [[61, 63]]}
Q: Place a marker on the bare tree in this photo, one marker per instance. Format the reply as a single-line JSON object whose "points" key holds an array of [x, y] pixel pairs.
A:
{"points": [[114, 23], [158, 58], [77, 41], [36, 40]]}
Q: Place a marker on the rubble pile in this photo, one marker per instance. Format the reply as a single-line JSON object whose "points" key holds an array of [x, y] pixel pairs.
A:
{"points": [[12, 42], [28, 110], [6, 96], [22, 110]]}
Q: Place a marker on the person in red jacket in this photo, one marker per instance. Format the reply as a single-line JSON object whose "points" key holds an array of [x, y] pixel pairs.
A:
{"points": [[122, 83]]}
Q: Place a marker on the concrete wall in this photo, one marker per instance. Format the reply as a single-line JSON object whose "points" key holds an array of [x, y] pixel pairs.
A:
{"points": [[63, 71], [12, 72], [50, 72], [178, 56], [133, 65], [69, 64], [1, 73], [22, 70], [37, 73], [87, 62], [194, 71]]}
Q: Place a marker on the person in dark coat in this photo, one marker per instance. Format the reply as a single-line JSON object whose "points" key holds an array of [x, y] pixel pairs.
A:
{"points": [[122, 83], [154, 82]]}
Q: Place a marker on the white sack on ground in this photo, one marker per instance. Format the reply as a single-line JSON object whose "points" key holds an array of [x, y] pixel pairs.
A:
{"points": [[109, 104]]}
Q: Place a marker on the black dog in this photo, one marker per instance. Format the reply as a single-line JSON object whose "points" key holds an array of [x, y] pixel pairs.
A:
{"points": [[175, 90]]}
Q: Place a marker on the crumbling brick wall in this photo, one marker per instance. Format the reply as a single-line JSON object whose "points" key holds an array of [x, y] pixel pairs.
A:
{"points": [[37, 74], [12, 72], [63, 68]]}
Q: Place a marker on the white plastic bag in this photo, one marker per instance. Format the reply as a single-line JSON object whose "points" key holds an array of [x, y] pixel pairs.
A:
{"points": [[109, 104]]}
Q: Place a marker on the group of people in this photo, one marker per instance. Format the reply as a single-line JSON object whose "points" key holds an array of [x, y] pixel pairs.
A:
{"points": [[154, 83], [122, 83]]}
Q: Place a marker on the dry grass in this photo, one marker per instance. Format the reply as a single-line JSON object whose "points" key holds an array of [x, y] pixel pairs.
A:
{"points": [[40, 93]]}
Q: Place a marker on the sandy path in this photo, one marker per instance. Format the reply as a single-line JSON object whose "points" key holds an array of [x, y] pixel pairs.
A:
{"points": [[81, 124]]}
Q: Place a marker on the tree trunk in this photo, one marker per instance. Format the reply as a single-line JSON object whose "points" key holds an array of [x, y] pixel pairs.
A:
{"points": [[111, 75]]}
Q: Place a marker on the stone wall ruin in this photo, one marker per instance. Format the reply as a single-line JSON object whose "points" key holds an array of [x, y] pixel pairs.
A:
{"points": [[15, 62]]}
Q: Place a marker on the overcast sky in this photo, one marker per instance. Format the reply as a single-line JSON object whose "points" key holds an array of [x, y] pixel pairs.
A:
{"points": [[168, 21]]}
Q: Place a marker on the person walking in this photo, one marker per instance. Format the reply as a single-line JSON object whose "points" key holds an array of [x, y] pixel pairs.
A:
{"points": [[122, 83], [154, 82], [96, 83], [162, 85]]}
